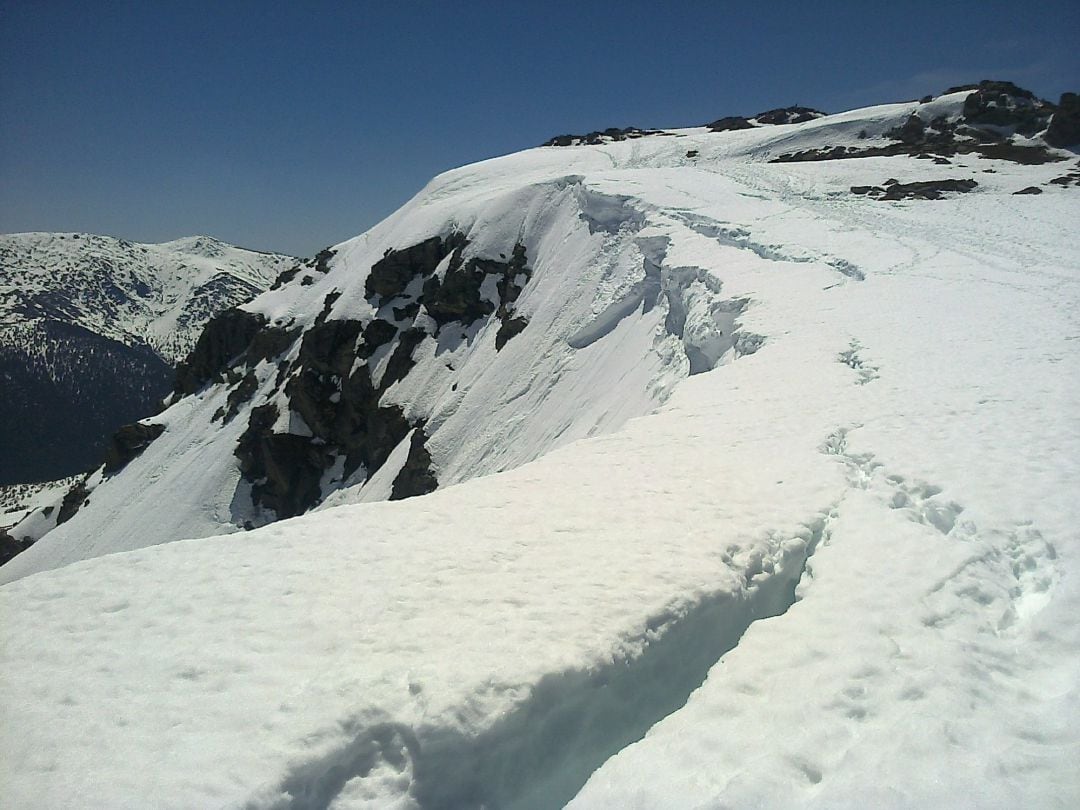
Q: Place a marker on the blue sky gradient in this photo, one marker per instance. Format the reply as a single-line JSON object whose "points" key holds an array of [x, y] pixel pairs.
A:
{"points": [[291, 126]]}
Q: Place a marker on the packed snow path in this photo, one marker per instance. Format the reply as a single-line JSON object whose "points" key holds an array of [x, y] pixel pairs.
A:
{"points": [[910, 418]]}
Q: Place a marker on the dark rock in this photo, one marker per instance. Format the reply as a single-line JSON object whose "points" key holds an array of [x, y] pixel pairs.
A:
{"points": [[601, 136], [401, 361], [225, 337], [692, 153], [1064, 129], [1003, 104], [1016, 153], [510, 328], [322, 260], [1024, 155], [284, 470], [892, 181], [928, 190], [731, 122], [407, 312], [913, 131], [336, 397], [242, 393], [10, 547], [456, 296], [862, 190], [73, 502], [307, 281], [416, 477], [392, 273], [328, 305], [1029, 190], [128, 443], [940, 161], [376, 334], [926, 99], [330, 347], [286, 276], [788, 115], [268, 343]]}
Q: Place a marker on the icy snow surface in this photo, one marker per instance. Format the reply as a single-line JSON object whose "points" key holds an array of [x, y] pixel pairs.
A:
{"points": [[854, 549]]}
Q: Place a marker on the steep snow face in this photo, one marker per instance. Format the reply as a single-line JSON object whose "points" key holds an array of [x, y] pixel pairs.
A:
{"points": [[90, 329], [490, 321], [837, 567]]}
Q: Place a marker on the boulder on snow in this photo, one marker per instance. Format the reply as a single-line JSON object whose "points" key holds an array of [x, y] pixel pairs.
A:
{"points": [[128, 443]]}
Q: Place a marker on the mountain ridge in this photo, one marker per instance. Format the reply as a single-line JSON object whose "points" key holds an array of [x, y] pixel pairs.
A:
{"points": [[771, 490]]}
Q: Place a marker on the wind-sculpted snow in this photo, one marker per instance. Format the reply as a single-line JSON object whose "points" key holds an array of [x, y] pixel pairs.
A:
{"points": [[771, 502]]}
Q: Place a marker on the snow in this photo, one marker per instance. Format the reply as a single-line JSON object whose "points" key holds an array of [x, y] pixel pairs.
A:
{"points": [[837, 569], [158, 295]]}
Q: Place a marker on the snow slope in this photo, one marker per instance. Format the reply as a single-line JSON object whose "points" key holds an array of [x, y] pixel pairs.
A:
{"points": [[838, 569]]}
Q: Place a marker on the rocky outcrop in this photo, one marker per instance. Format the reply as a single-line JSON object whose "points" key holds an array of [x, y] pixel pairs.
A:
{"points": [[73, 501], [324, 421], [457, 295], [128, 442], [601, 136], [993, 114], [729, 123], [320, 263], [1064, 128], [284, 469], [416, 476], [225, 337], [927, 190], [781, 115], [788, 115], [9, 546], [1003, 104], [392, 274]]}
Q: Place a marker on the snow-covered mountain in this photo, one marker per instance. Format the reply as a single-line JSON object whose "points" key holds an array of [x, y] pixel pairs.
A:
{"points": [[746, 458], [91, 329]]}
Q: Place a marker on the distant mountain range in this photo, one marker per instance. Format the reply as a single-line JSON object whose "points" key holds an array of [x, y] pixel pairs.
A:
{"points": [[91, 328]]}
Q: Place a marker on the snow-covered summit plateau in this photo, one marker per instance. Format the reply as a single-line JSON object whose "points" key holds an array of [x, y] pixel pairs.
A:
{"points": [[747, 469]]}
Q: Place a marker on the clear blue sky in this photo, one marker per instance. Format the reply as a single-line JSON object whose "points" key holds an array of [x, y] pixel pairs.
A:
{"points": [[290, 126]]}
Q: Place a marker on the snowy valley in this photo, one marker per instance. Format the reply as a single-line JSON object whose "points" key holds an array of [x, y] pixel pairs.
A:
{"points": [[91, 329], [726, 466]]}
